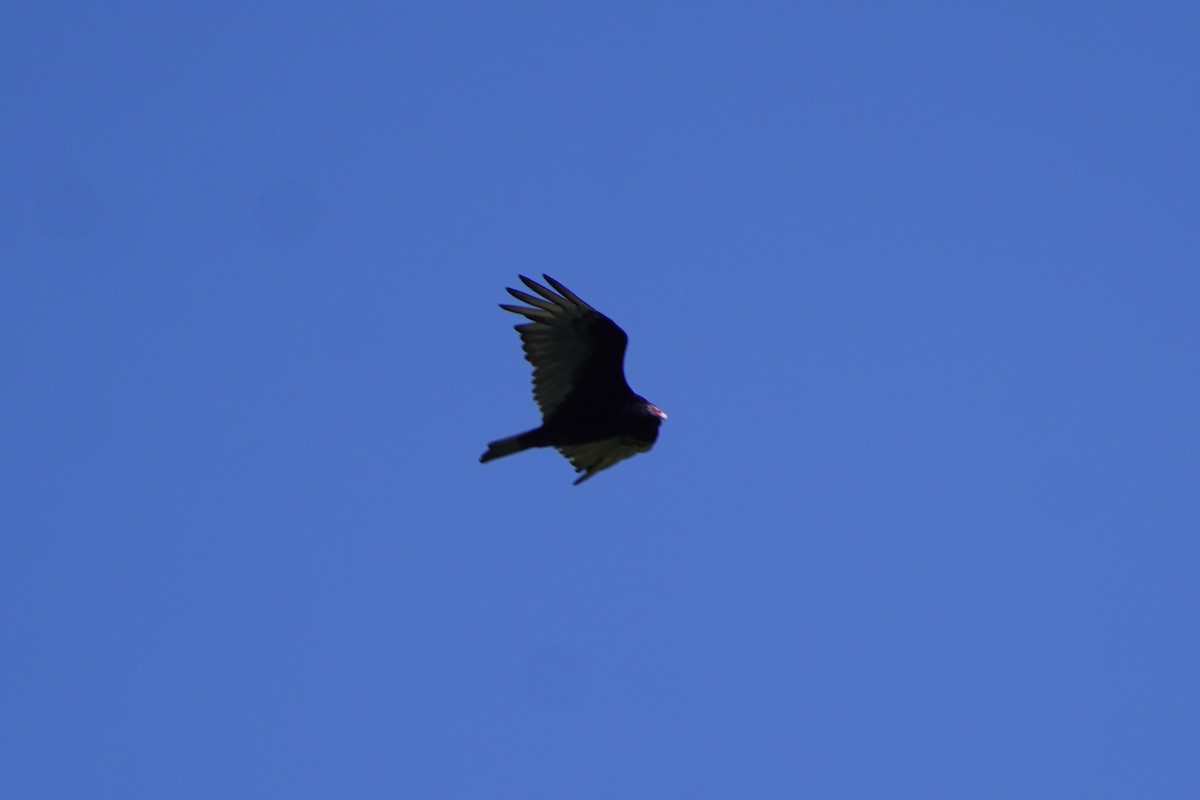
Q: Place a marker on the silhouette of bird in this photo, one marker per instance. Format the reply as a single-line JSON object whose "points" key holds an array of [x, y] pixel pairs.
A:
{"points": [[589, 413]]}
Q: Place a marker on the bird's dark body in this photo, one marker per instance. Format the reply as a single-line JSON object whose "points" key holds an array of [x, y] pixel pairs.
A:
{"points": [[583, 425], [589, 413]]}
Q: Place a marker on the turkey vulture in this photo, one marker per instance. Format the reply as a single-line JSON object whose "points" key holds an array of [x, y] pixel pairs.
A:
{"points": [[589, 413]]}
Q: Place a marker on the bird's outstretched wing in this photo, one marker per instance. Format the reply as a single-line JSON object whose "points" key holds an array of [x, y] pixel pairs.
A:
{"points": [[571, 346], [592, 457]]}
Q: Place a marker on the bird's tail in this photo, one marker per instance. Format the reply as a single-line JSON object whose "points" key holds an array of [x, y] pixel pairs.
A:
{"points": [[513, 444]]}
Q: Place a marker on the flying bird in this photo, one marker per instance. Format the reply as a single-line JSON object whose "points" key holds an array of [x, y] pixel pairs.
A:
{"points": [[589, 413]]}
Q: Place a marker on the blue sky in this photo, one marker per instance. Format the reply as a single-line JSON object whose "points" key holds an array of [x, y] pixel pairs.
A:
{"points": [[917, 284]]}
